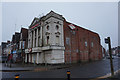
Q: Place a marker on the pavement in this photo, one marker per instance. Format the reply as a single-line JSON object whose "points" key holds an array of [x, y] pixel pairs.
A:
{"points": [[30, 67], [109, 77], [19, 67]]}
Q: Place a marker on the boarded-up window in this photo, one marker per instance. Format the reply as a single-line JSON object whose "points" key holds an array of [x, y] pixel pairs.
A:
{"points": [[91, 44], [73, 32], [67, 40], [86, 43], [57, 39]]}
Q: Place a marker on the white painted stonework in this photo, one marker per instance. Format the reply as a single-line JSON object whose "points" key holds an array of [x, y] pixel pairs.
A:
{"points": [[46, 40]]}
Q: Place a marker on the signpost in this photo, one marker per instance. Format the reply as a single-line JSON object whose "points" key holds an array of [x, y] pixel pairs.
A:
{"points": [[107, 41]]}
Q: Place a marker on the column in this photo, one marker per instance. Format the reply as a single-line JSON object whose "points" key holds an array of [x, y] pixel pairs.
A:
{"points": [[41, 36], [37, 58], [37, 38], [29, 58], [28, 39], [33, 38], [25, 57]]}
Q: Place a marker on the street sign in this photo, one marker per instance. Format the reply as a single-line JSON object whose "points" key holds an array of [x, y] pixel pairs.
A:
{"points": [[106, 41]]}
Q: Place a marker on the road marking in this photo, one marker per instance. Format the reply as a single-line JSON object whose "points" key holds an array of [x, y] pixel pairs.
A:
{"points": [[106, 76]]}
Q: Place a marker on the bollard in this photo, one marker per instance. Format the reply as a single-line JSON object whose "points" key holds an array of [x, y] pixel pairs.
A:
{"points": [[17, 77], [68, 75]]}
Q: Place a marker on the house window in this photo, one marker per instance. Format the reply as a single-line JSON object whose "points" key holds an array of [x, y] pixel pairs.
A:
{"points": [[47, 27], [57, 39], [91, 44], [47, 39], [57, 27], [86, 43]]}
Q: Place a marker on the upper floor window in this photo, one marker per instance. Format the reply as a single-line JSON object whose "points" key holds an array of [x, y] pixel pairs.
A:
{"points": [[86, 43], [47, 39], [57, 27], [57, 39], [91, 44], [67, 40], [47, 27]]}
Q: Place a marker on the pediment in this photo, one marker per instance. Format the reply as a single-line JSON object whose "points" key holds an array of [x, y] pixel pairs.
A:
{"points": [[53, 14], [35, 20]]}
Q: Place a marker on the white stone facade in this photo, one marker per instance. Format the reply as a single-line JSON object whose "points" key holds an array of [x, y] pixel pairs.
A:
{"points": [[46, 40]]}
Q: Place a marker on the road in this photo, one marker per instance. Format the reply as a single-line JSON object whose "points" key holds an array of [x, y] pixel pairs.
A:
{"points": [[89, 70]]}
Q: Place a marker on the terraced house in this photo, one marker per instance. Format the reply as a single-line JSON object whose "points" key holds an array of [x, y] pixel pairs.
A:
{"points": [[53, 40]]}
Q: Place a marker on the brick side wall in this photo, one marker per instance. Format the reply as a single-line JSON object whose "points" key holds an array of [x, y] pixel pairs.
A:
{"points": [[75, 48]]}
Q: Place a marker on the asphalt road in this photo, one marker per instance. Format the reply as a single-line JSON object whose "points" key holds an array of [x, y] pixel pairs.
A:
{"points": [[89, 70]]}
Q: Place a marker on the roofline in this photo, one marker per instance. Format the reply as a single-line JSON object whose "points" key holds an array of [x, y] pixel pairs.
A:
{"points": [[83, 28]]}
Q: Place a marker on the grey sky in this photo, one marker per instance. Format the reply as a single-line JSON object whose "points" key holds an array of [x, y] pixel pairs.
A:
{"points": [[100, 17]]}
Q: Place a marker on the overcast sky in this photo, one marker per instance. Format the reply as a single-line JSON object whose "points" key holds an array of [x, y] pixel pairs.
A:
{"points": [[99, 17]]}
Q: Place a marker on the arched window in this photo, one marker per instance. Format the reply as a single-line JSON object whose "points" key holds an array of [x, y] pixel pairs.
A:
{"points": [[47, 39], [57, 27], [47, 27]]}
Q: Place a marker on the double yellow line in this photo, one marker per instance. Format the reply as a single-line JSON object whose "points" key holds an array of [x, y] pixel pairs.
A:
{"points": [[105, 76]]}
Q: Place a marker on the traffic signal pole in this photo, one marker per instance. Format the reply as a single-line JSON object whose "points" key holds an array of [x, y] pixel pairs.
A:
{"points": [[111, 62], [107, 41]]}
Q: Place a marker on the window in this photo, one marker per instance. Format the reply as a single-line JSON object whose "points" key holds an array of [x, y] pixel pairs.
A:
{"points": [[57, 27], [73, 32], [47, 39], [67, 40], [91, 44], [47, 27], [57, 39], [86, 43]]}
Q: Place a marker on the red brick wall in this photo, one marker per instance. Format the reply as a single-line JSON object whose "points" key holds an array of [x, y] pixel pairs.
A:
{"points": [[71, 47], [75, 49]]}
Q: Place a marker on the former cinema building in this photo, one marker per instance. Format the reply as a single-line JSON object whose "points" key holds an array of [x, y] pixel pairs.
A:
{"points": [[53, 40]]}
